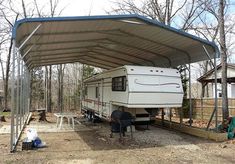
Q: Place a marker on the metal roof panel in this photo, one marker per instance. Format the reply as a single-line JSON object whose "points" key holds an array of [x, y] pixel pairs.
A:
{"points": [[139, 40]]}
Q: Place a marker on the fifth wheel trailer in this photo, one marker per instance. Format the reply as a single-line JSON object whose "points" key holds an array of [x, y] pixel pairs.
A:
{"points": [[134, 89]]}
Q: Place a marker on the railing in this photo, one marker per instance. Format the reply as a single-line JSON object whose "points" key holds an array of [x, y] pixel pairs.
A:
{"points": [[203, 108], [20, 97]]}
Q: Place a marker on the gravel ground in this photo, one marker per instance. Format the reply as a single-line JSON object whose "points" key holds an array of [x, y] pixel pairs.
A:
{"points": [[93, 145]]}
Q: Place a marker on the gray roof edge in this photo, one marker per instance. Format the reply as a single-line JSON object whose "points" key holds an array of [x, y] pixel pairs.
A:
{"points": [[99, 17], [69, 18], [208, 73]]}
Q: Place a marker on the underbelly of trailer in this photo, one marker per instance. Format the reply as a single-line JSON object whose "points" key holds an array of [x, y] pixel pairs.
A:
{"points": [[104, 110]]}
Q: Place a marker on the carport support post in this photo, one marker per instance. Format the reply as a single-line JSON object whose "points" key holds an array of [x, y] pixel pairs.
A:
{"points": [[17, 97], [170, 117], [190, 97], [20, 96], [163, 113], [216, 98], [29, 90], [12, 140], [181, 116], [25, 90], [81, 86], [215, 111]]}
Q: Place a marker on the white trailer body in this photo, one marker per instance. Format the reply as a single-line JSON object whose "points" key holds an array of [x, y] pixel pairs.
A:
{"points": [[134, 88]]}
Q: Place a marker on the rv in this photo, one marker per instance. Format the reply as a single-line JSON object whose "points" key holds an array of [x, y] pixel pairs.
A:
{"points": [[135, 89]]}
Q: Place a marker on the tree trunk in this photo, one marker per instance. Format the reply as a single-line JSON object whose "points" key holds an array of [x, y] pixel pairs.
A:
{"points": [[46, 88], [62, 87], [225, 110], [7, 77], [2, 119], [42, 116], [204, 85], [49, 90], [59, 88]]}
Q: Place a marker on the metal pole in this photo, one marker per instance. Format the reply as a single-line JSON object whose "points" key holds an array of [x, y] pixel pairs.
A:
{"points": [[46, 88], [29, 90], [215, 111], [181, 116], [27, 51], [163, 113], [18, 96], [29, 36], [216, 98], [170, 116], [22, 95], [208, 55], [12, 140], [190, 96], [25, 90], [81, 87]]}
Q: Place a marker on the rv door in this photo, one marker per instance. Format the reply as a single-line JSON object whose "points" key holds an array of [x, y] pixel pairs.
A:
{"points": [[99, 95]]}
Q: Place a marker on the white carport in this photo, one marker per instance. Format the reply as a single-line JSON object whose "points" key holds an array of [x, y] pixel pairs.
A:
{"points": [[102, 41]]}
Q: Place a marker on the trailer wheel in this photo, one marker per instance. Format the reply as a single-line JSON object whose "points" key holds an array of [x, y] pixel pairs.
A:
{"points": [[93, 118], [89, 115], [111, 135]]}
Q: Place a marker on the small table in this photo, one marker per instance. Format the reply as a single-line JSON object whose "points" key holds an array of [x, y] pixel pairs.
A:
{"points": [[60, 117]]}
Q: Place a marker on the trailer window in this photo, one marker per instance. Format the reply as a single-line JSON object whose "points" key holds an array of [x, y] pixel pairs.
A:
{"points": [[119, 83]]}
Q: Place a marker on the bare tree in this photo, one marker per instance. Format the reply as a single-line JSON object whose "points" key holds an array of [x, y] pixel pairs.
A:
{"points": [[9, 13], [223, 52], [49, 90], [170, 12], [217, 31], [6, 40], [60, 69], [54, 4]]}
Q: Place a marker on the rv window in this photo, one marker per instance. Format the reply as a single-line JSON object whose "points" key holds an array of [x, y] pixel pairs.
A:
{"points": [[119, 83]]}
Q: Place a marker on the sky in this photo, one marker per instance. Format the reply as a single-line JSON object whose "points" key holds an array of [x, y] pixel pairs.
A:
{"points": [[85, 7]]}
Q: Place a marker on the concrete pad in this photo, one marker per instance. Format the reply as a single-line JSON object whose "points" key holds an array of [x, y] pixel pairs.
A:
{"points": [[5, 129], [47, 128], [52, 128]]}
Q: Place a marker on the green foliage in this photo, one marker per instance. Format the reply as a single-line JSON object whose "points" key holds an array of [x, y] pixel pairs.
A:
{"points": [[37, 91], [182, 69], [186, 105], [6, 114], [88, 71], [186, 108]]}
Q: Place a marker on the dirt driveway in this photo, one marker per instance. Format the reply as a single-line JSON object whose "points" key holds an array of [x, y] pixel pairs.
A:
{"points": [[91, 144]]}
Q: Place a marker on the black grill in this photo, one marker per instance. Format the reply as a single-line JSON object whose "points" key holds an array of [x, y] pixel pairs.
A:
{"points": [[119, 121]]}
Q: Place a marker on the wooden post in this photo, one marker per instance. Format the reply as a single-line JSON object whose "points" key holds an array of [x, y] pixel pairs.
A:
{"points": [[170, 116], [181, 116], [163, 116]]}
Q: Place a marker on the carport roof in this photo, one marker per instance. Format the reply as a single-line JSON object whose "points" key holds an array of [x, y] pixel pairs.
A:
{"points": [[107, 42]]}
